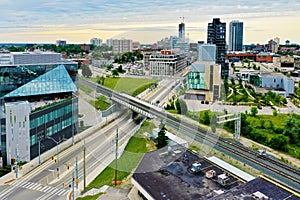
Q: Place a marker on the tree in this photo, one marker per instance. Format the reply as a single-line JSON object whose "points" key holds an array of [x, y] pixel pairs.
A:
{"points": [[162, 139], [279, 142], [120, 69], [183, 107], [232, 81], [86, 71], [226, 86], [292, 129], [206, 118], [253, 111], [240, 81], [115, 72], [214, 123]]}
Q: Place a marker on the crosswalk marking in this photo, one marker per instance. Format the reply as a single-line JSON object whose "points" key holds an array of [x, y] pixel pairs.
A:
{"points": [[35, 186], [47, 189], [41, 188], [28, 186]]}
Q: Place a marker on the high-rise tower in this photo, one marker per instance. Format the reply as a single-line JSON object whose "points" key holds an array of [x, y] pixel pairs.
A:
{"points": [[216, 34], [235, 36], [181, 31]]}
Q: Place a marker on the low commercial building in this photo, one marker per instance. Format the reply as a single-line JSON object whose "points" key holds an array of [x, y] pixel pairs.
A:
{"points": [[166, 63], [37, 100], [170, 173], [275, 82], [204, 81]]}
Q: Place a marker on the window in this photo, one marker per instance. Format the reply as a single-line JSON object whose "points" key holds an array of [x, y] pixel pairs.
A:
{"points": [[32, 140]]}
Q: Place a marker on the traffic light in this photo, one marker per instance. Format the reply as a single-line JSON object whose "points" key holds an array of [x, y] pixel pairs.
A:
{"points": [[13, 161]]}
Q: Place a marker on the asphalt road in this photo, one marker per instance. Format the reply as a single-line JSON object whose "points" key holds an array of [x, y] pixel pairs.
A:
{"points": [[43, 182]]}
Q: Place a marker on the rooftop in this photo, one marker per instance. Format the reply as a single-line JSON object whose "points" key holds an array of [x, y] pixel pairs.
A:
{"points": [[166, 174]]}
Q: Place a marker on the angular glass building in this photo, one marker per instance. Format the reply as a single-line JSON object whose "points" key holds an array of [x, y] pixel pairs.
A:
{"points": [[38, 100]]}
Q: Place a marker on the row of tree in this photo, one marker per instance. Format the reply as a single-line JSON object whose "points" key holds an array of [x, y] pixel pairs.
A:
{"points": [[128, 57]]}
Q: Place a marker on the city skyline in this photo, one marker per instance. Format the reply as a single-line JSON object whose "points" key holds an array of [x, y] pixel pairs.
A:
{"points": [[145, 21]]}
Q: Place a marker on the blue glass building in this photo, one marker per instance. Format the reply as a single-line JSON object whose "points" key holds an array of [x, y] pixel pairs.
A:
{"points": [[38, 100]]}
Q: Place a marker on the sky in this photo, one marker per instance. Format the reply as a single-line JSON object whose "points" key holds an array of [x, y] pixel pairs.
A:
{"points": [[146, 21]]}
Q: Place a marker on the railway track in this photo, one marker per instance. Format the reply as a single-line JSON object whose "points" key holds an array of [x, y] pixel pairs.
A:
{"points": [[275, 166]]}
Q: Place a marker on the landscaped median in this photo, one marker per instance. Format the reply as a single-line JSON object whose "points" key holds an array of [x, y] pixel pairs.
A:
{"points": [[137, 146]]}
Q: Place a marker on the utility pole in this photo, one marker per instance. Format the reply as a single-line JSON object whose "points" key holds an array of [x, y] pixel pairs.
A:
{"points": [[77, 171], [39, 152], [116, 170], [84, 167], [73, 187], [17, 160]]}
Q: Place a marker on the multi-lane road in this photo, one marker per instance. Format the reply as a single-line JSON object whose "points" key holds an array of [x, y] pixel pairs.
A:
{"points": [[43, 182]]}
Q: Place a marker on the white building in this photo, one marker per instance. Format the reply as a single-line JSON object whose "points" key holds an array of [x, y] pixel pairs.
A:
{"points": [[121, 46], [17, 137], [109, 42], [167, 63], [96, 41]]}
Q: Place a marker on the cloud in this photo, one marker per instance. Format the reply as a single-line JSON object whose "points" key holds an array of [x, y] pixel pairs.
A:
{"points": [[132, 15]]}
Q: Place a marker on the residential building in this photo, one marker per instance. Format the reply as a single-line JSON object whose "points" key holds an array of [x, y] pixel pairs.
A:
{"points": [[96, 41], [37, 100], [216, 34], [167, 63], [275, 82], [204, 81], [236, 29], [273, 45], [121, 46], [207, 52], [61, 42], [109, 42]]}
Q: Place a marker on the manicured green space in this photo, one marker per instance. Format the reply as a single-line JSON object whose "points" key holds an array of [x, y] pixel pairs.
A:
{"points": [[134, 151], [100, 104], [131, 86]]}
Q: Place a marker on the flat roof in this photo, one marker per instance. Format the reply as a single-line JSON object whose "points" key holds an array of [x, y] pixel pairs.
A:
{"points": [[166, 174], [170, 176]]}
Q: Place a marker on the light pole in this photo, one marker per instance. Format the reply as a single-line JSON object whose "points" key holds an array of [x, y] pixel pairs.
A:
{"points": [[56, 142]]}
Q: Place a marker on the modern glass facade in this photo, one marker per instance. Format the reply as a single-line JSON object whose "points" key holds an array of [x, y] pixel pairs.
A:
{"points": [[196, 80], [236, 36], [13, 77], [50, 90]]}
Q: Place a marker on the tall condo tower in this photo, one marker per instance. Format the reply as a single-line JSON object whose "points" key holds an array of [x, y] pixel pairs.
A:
{"points": [[216, 34], [181, 30], [236, 36]]}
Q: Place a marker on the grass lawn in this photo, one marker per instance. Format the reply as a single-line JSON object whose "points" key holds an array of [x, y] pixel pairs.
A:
{"points": [[134, 151], [132, 86], [100, 104], [278, 121]]}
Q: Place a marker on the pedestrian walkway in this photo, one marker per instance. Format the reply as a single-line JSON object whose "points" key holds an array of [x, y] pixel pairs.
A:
{"points": [[41, 188]]}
